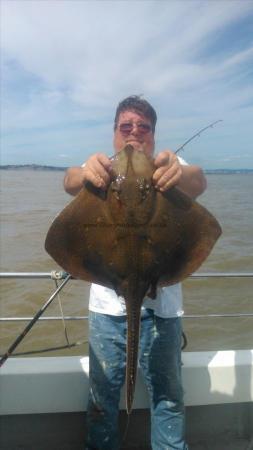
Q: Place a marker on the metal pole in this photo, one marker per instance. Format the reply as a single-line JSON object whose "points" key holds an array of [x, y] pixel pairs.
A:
{"points": [[222, 275], [210, 316], [32, 322], [54, 275], [60, 275], [49, 318]]}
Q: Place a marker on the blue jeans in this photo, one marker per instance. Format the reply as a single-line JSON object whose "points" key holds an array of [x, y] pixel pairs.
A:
{"points": [[160, 361]]}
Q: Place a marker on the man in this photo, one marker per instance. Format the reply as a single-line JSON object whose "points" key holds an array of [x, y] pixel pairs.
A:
{"points": [[160, 339]]}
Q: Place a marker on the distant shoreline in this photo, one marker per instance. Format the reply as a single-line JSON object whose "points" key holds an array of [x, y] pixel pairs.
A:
{"points": [[61, 169], [227, 171], [32, 167]]}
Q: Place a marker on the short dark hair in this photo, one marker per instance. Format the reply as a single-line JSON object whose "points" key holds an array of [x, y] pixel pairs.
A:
{"points": [[137, 104]]}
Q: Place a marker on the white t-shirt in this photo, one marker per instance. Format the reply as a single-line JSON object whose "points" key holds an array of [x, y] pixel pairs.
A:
{"points": [[168, 301]]}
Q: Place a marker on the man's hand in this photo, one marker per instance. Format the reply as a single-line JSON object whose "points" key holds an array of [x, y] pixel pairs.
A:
{"points": [[168, 170], [97, 170]]}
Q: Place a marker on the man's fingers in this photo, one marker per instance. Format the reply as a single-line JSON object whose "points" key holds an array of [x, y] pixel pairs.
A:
{"points": [[167, 178], [95, 179], [98, 169], [104, 161], [158, 174], [168, 171], [167, 183]]}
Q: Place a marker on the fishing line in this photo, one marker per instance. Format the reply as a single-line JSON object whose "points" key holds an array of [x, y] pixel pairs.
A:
{"points": [[62, 316]]}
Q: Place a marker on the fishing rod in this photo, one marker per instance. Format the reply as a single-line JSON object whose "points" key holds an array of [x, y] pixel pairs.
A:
{"points": [[197, 134], [32, 322]]}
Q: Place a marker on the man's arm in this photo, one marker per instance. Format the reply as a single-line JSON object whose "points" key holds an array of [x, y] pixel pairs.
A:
{"points": [[74, 180], [192, 181]]}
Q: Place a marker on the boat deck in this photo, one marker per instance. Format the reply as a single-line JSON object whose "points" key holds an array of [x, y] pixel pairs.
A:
{"points": [[226, 444], [219, 427], [42, 402]]}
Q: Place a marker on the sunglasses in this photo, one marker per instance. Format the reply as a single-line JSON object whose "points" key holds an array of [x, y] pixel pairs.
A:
{"points": [[127, 127]]}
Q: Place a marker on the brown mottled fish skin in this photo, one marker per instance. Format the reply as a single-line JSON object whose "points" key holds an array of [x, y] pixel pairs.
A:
{"points": [[132, 239]]}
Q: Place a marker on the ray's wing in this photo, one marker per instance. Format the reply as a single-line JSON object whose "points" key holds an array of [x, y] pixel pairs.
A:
{"points": [[183, 234], [81, 237]]}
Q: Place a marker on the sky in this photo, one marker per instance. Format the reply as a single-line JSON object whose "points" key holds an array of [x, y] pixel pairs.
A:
{"points": [[66, 64]]}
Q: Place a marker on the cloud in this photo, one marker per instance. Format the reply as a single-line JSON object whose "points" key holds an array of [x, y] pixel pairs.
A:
{"points": [[66, 64], [88, 48]]}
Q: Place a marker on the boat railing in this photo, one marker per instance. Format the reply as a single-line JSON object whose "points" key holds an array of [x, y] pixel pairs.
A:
{"points": [[61, 275]]}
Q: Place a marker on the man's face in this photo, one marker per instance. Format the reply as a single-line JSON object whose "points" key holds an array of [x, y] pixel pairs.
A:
{"points": [[135, 129]]}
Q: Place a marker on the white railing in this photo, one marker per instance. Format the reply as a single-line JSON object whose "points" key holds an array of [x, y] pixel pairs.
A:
{"points": [[61, 275]]}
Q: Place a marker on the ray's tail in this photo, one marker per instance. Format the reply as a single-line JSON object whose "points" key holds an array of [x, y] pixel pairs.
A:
{"points": [[133, 337]]}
